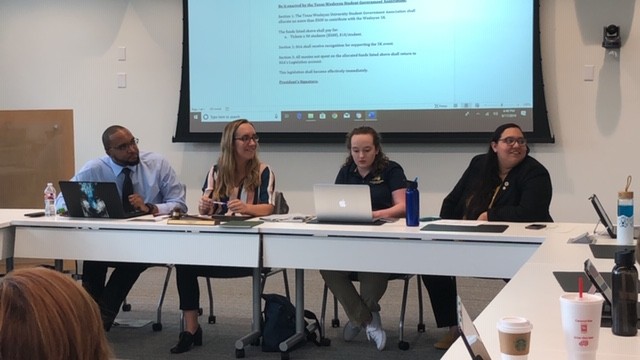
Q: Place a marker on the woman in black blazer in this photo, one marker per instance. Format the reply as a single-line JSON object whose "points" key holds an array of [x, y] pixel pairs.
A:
{"points": [[505, 184]]}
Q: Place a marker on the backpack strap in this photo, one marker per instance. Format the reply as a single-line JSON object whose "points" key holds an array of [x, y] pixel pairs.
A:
{"points": [[311, 336]]}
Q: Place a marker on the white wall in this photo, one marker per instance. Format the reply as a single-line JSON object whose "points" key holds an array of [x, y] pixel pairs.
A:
{"points": [[57, 54]]}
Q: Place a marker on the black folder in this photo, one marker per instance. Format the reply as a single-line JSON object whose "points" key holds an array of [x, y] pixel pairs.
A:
{"points": [[482, 228]]}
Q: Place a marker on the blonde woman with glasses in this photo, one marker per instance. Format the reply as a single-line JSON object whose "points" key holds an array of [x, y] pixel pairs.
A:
{"points": [[238, 184]]}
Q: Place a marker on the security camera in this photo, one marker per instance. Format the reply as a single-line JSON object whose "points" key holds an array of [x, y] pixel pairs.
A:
{"points": [[611, 37]]}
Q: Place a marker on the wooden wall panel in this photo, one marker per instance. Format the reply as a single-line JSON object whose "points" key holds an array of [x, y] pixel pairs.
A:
{"points": [[36, 147]]}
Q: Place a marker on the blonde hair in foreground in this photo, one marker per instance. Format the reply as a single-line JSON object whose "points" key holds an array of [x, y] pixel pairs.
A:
{"points": [[46, 315]]}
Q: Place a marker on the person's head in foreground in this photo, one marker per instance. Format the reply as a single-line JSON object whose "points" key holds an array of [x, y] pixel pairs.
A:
{"points": [[46, 315]]}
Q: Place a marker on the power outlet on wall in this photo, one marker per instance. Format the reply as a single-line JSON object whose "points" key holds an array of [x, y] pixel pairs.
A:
{"points": [[121, 80]]}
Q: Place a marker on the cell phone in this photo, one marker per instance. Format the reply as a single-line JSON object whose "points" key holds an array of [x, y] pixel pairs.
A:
{"points": [[598, 281], [35, 214], [535, 226]]}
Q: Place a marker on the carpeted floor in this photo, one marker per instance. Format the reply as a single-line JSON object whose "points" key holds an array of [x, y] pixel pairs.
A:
{"points": [[233, 311]]}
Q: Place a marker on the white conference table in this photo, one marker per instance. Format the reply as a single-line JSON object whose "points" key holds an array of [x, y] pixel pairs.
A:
{"points": [[391, 247], [395, 248], [528, 256], [534, 293], [7, 233], [136, 240]]}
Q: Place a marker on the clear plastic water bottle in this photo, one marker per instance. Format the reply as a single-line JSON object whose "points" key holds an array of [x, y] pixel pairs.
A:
{"points": [[413, 203], [49, 200], [624, 230], [624, 289]]}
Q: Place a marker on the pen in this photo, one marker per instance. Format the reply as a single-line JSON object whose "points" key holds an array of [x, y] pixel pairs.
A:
{"points": [[220, 202]]}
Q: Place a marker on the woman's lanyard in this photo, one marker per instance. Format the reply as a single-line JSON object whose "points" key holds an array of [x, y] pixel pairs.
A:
{"points": [[493, 198], [495, 193]]}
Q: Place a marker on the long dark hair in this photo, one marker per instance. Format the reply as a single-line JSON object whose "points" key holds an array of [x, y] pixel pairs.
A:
{"points": [[381, 161], [489, 178]]}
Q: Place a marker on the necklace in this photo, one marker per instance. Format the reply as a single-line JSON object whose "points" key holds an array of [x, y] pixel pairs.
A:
{"points": [[504, 186]]}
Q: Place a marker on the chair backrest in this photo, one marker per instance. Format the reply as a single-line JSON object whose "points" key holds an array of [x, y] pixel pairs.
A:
{"points": [[281, 206]]}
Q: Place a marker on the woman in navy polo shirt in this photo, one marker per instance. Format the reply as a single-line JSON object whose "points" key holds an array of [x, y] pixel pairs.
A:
{"points": [[367, 164]]}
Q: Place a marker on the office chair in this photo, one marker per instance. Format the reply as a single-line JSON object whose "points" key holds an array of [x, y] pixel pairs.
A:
{"points": [[280, 207], [157, 325], [266, 273], [403, 345]]}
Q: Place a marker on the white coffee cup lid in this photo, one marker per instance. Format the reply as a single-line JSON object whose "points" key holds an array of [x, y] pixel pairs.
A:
{"points": [[514, 325]]}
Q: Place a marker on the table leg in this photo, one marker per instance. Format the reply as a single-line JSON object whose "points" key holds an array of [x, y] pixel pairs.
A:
{"points": [[8, 263], [257, 305], [299, 335]]}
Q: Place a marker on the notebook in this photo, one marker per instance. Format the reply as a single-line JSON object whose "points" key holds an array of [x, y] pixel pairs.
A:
{"points": [[606, 221], [470, 335], [343, 204], [94, 199]]}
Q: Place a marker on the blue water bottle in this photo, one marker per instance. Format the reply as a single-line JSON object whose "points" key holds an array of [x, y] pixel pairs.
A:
{"points": [[413, 203]]}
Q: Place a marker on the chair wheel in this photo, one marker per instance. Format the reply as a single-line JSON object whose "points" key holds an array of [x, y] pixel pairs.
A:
{"points": [[157, 326], [284, 355], [239, 353], [403, 345], [421, 328], [126, 307], [335, 323], [212, 319], [325, 342]]}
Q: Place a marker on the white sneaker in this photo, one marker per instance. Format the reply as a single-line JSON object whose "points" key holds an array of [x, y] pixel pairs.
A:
{"points": [[375, 332], [350, 331]]}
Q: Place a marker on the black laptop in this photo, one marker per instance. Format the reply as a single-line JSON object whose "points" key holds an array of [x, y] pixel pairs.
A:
{"points": [[606, 221], [600, 282], [470, 335], [92, 199]]}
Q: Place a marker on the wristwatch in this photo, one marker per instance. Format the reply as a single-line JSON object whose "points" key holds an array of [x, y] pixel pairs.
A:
{"points": [[151, 208]]}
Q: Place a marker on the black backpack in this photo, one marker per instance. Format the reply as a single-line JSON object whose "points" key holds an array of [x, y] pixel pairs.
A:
{"points": [[280, 323]]}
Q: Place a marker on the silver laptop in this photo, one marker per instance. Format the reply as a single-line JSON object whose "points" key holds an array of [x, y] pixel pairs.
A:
{"points": [[343, 203], [606, 221]]}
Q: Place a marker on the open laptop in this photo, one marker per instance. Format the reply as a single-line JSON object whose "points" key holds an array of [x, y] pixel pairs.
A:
{"points": [[606, 221], [602, 285], [92, 199], [600, 282], [470, 335], [349, 204]]}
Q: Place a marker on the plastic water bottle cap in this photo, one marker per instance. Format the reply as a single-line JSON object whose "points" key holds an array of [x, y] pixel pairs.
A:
{"points": [[625, 257]]}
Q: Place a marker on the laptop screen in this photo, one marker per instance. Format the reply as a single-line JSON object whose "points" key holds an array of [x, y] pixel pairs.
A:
{"points": [[604, 218], [606, 221], [470, 335]]}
